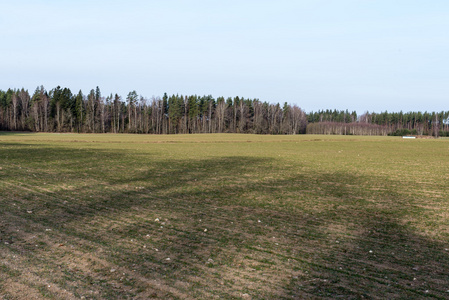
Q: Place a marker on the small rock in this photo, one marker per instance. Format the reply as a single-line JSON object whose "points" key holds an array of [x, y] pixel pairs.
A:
{"points": [[156, 220], [205, 230], [168, 258], [371, 251]]}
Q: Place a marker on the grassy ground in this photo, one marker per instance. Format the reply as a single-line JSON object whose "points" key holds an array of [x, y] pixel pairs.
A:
{"points": [[225, 216]]}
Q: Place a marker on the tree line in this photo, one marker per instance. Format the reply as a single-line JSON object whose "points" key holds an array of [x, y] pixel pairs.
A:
{"points": [[384, 123], [59, 110]]}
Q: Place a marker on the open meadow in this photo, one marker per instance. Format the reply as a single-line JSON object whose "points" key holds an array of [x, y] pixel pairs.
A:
{"points": [[104, 216]]}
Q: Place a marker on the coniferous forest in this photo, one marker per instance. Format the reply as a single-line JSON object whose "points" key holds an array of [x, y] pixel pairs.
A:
{"points": [[59, 110]]}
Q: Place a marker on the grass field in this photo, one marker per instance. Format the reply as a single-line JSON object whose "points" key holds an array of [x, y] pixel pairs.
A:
{"points": [[223, 216]]}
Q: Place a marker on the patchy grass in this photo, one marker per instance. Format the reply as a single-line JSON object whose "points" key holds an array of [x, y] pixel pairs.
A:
{"points": [[226, 216]]}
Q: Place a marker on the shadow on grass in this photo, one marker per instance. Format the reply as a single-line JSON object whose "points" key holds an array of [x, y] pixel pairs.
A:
{"points": [[228, 228]]}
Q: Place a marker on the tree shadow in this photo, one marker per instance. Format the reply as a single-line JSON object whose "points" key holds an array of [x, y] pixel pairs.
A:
{"points": [[388, 260], [372, 250], [230, 225]]}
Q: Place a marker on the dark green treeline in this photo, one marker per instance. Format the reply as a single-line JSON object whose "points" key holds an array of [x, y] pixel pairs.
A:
{"points": [[59, 110]]}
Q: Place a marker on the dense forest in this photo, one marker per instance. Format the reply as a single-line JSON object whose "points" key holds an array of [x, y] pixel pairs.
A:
{"points": [[59, 110]]}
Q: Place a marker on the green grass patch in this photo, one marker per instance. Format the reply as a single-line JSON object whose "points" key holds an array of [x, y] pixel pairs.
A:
{"points": [[224, 215]]}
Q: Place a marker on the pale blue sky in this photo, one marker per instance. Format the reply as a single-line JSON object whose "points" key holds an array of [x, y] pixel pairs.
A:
{"points": [[361, 55]]}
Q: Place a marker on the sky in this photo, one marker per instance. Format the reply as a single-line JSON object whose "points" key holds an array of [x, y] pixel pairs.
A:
{"points": [[362, 55]]}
